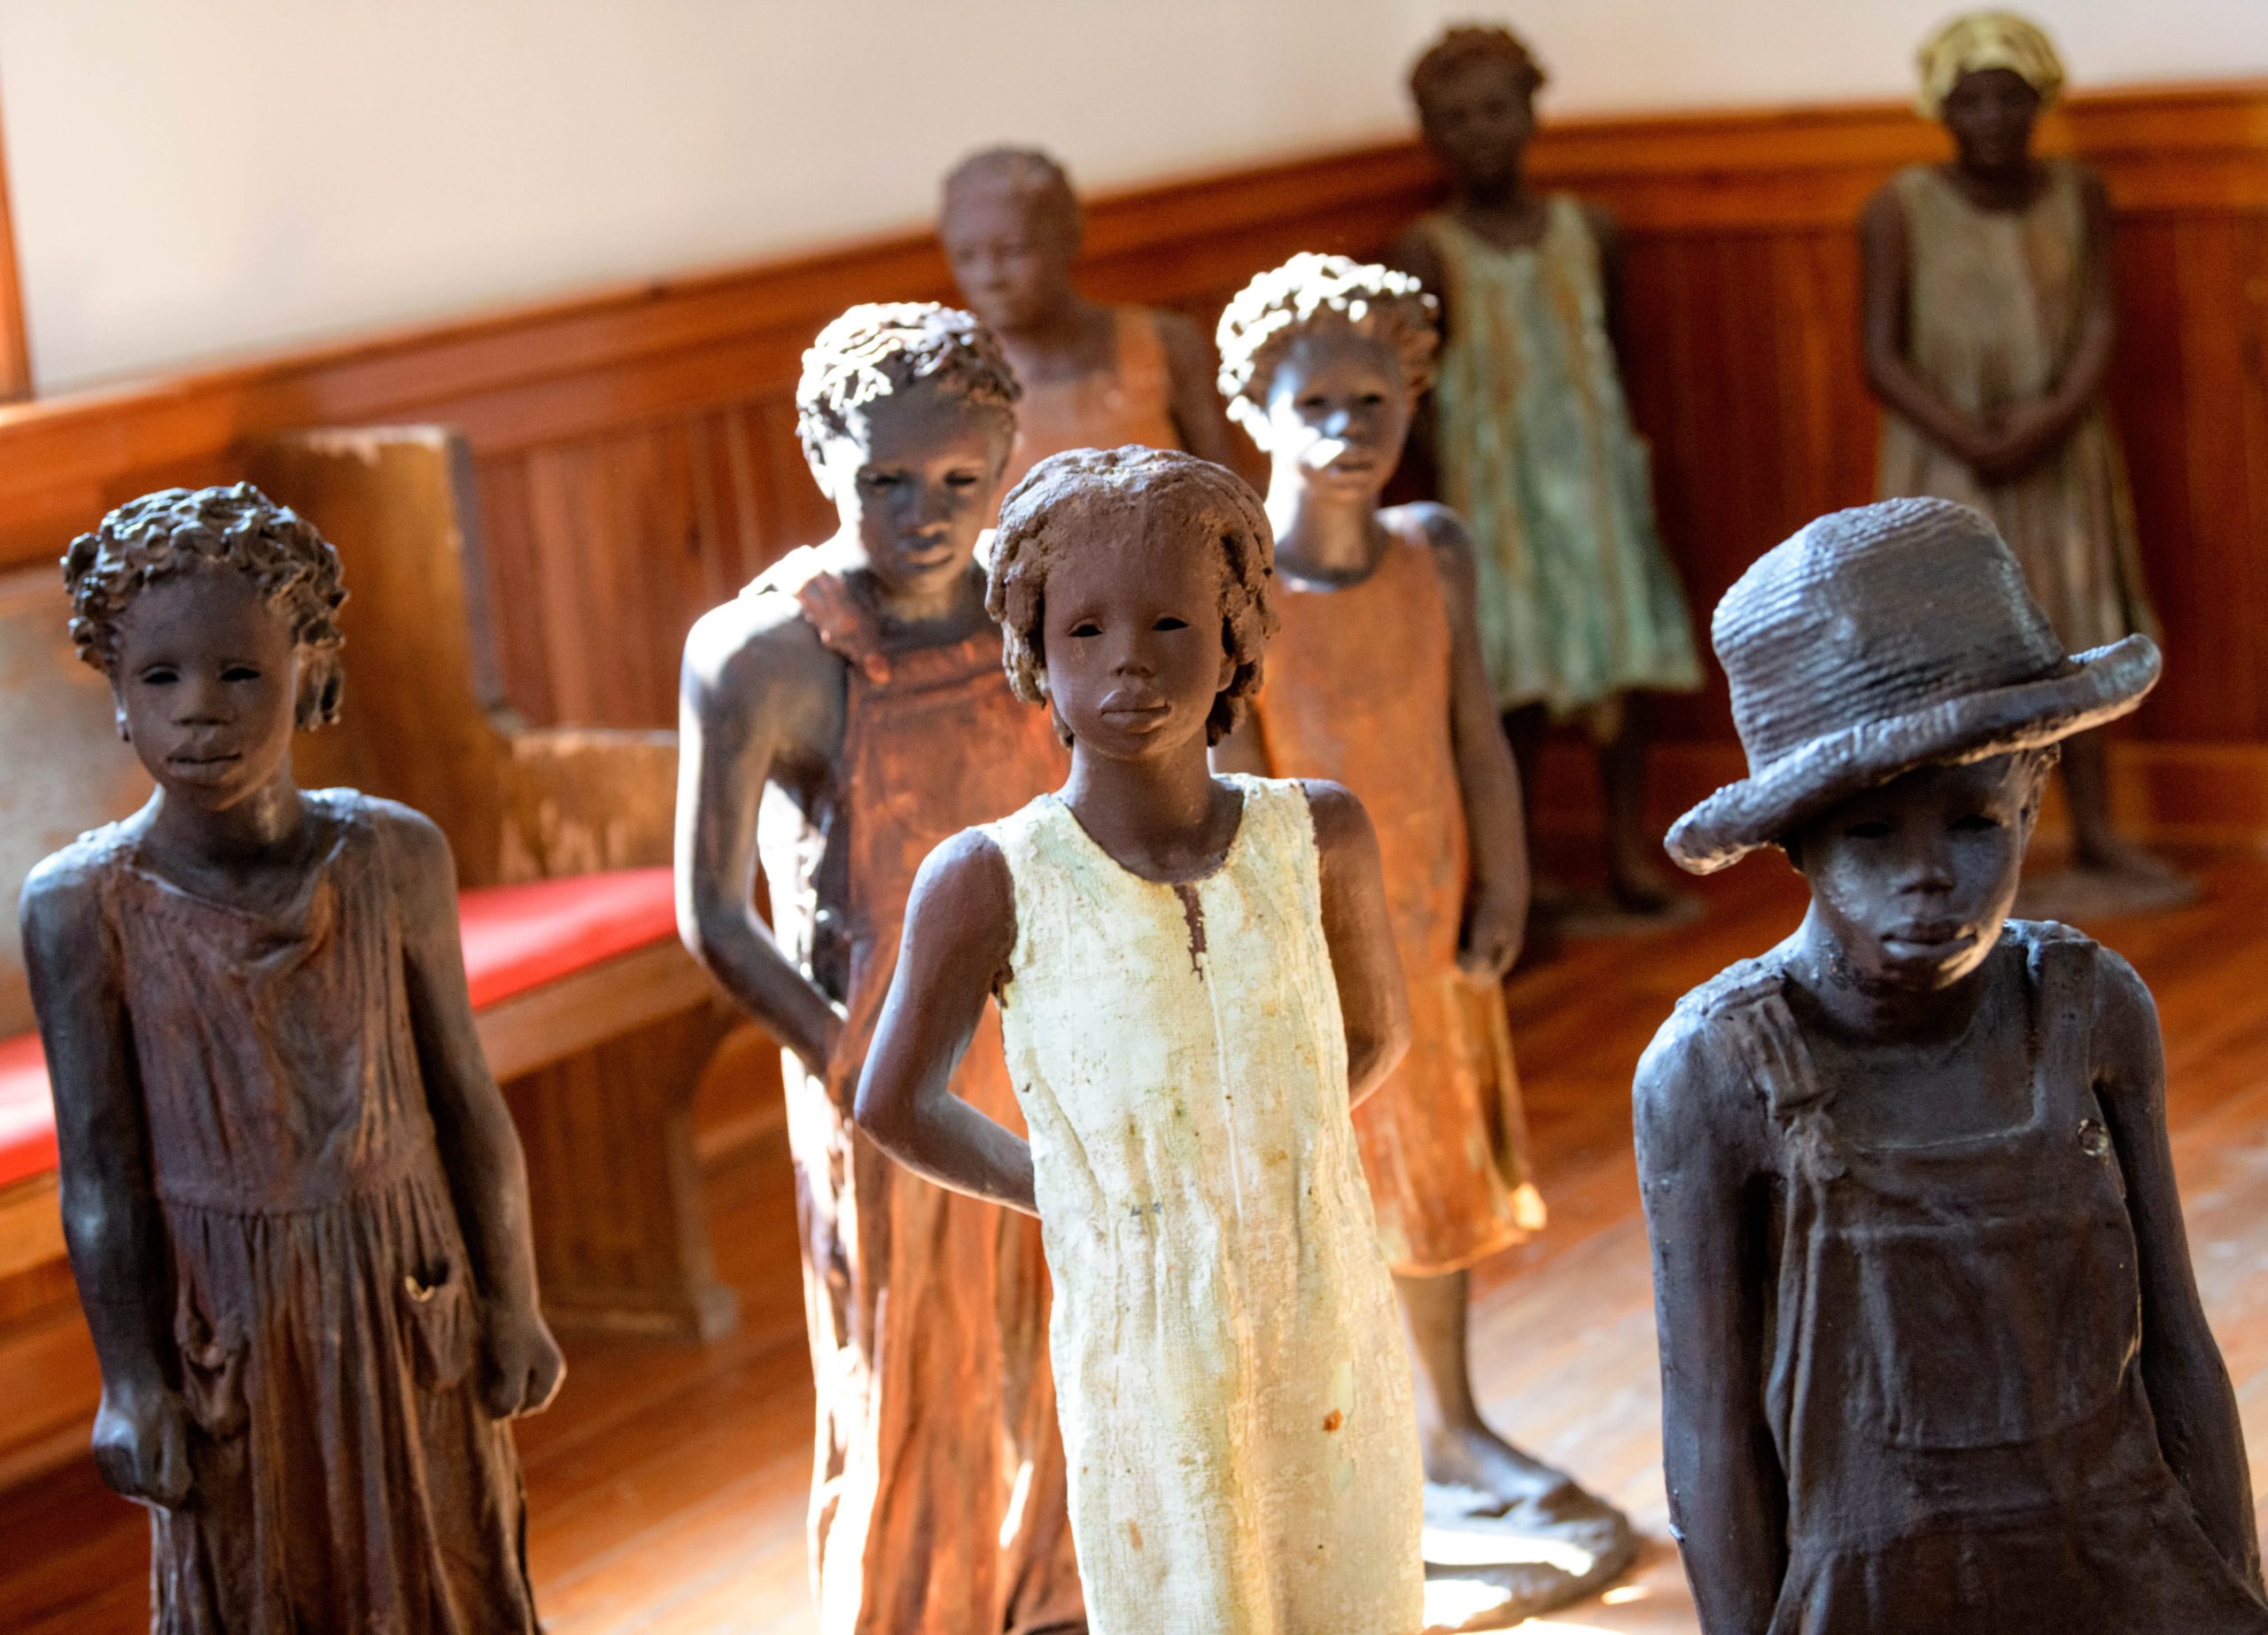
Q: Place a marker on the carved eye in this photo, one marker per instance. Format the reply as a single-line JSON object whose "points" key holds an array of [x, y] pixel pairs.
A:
{"points": [[241, 672], [1086, 627], [1873, 831], [1975, 823], [1168, 622]]}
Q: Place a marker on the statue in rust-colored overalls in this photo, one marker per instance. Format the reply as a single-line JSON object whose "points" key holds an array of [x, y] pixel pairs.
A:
{"points": [[841, 716]]}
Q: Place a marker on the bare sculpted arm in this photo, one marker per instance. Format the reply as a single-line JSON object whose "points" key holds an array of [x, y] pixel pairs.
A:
{"points": [[110, 1223], [1487, 780], [521, 1367], [2182, 1370], [1196, 400], [1360, 936], [1698, 1173], [960, 930], [757, 695]]}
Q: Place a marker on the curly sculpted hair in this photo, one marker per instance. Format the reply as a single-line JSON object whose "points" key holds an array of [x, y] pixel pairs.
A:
{"points": [[1092, 499], [879, 348], [177, 529], [1310, 292], [1461, 47]]}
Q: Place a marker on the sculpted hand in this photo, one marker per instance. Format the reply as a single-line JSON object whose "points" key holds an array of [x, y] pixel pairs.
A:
{"points": [[1493, 935], [520, 1365], [141, 1444], [2023, 440]]}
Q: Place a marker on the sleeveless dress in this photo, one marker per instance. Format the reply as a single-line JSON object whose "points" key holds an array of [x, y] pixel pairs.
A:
{"points": [[937, 1499], [345, 1476], [1235, 1399], [1994, 305], [1577, 600], [1130, 403], [1358, 690], [1953, 1390]]}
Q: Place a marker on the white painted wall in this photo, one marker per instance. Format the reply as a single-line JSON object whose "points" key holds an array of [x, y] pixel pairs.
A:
{"points": [[196, 179]]}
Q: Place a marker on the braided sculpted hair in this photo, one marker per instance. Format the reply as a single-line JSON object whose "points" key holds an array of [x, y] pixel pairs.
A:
{"points": [[176, 529], [882, 347], [1306, 293], [1090, 499], [1467, 44]]}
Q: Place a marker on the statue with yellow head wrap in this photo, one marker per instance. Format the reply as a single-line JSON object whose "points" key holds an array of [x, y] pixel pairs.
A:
{"points": [[1988, 329]]}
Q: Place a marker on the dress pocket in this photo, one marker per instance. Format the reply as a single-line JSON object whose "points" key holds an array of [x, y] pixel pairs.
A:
{"points": [[1994, 1333], [439, 1325], [212, 1368]]}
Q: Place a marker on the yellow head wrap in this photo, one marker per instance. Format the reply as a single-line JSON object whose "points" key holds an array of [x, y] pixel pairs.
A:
{"points": [[1981, 40]]}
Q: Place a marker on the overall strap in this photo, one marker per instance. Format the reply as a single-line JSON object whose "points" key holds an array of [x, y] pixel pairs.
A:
{"points": [[2063, 965]]}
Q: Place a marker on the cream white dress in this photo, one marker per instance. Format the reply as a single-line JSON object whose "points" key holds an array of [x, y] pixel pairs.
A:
{"points": [[1235, 1399]]}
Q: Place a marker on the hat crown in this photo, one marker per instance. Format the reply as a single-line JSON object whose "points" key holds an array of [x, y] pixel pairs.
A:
{"points": [[1874, 614]]}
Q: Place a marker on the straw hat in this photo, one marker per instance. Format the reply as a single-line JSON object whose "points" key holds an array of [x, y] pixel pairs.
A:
{"points": [[1881, 639]]}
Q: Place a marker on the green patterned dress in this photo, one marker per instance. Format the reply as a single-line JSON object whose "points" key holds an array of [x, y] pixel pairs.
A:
{"points": [[1578, 601]]}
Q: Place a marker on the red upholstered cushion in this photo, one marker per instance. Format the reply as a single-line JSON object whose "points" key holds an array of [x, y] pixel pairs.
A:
{"points": [[26, 1111], [521, 937], [516, 937]]}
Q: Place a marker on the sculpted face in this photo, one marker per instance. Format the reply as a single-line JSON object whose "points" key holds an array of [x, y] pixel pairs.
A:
{"points": [[1478, 118], [1011, 253], [1131, 634], [916, 479], [1915, 879], [206, 682], [1337, 411], [1991, 113]]}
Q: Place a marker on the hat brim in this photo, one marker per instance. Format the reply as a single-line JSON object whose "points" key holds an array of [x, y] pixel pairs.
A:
{"points": [[2099, 686]]}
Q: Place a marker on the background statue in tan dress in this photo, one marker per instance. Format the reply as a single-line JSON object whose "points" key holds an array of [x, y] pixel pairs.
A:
{"points": [[1093, 376], [1988, 333]]}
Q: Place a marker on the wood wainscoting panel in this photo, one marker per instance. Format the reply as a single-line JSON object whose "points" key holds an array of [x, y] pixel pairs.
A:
{"points": [[635, 447]]}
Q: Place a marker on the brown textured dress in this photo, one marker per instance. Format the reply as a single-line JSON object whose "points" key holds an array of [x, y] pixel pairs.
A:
{"points": [[938, 1502], [1358, 690], [345, 1476], [1995, 303], [1131, 402]]}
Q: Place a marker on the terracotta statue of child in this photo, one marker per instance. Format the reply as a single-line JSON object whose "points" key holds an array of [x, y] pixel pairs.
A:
{"points": [[1932, 1351], [1093, 376], [1531, 442], [844, 715], [1195, 977], [295, 1204], [1988, 333], [1375, 682]]}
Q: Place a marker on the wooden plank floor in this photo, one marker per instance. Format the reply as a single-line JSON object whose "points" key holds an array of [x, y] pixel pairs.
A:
{"points": [[667, 1486]]}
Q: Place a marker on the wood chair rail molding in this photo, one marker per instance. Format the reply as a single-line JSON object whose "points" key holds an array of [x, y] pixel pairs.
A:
{"points": [[635, 452]]}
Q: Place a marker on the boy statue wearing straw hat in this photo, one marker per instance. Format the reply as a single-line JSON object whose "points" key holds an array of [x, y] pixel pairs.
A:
{"points": [[1988, 322], [1932, 1352]]}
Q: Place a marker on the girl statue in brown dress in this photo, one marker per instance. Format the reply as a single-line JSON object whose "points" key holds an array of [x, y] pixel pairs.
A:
{"points": [[1932, 1351], [1093, 376], [1531, 443], [1988, 334], [296, 1207], [1375, 680], [841, 716]]}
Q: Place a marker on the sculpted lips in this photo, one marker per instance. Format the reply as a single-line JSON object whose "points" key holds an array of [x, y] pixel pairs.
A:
{"points": [[1133, 707]]}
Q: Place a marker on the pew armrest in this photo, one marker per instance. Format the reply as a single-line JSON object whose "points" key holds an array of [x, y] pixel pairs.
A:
{"points": [[586, 799]]}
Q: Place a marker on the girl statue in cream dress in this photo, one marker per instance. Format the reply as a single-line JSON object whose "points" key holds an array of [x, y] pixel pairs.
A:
{"points": [[1196, 977]]}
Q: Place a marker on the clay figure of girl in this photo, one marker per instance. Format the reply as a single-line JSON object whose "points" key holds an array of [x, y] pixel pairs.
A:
{"points": [[1988, 333], [1531, 442], [1932, 1351], [1375, 682], [841, 716], [296, 1207], [1093, 376], [1195, 977]]}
